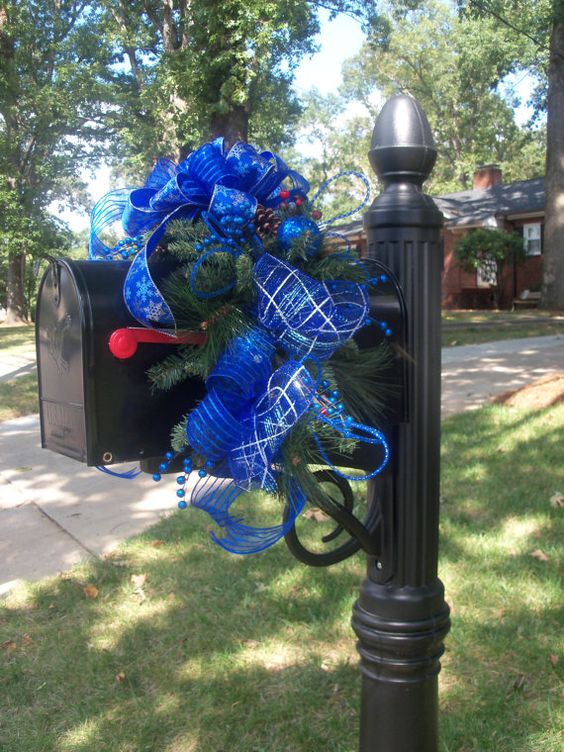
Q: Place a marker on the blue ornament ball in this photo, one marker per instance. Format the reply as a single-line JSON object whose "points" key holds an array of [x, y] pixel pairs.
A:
{"points": [[294, 227]]}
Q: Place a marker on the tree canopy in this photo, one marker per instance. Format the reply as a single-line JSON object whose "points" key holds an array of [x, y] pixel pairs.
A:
{"points": [[445, 63], [489, 250], [197, 70], [134, 80], [53, 76], [138, 79], [541, 24]]}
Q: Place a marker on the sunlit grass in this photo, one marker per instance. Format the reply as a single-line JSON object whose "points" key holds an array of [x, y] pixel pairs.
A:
{"points": [[17, 337], [489, 316], [18, 397], [186, 648], [480, 327], [473, 334]]}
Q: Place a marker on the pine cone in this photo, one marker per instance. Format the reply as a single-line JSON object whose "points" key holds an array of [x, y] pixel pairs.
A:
{"points": [[267, 221]]}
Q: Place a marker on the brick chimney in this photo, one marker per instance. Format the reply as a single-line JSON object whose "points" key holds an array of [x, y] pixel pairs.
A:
{"points": [[486, 176]]}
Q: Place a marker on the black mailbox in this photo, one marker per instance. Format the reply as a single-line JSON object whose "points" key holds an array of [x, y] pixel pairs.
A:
{"points": [[95, 407]]}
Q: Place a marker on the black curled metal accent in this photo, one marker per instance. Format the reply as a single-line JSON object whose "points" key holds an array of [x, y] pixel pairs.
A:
{"points": [[361, 533]]}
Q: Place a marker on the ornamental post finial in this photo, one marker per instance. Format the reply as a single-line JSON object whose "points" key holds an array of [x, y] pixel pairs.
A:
{"points": [[402, 143]]}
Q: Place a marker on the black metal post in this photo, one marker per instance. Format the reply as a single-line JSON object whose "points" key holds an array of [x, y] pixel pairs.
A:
{"points": [[401, 617]]}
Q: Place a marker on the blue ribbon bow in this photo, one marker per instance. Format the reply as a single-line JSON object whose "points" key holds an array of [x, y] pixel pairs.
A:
{"points": [[211, 182]]}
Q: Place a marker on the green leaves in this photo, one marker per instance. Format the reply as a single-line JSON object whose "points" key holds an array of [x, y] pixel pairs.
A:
{"points": [[478, 246], [53, 91], [489, 251], [452, 66]]}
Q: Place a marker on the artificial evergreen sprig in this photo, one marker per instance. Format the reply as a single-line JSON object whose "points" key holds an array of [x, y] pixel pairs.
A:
{"points": [[178, 435], [182, 237], [363, 378], [191, 360], [338, 265], [301, 458]]}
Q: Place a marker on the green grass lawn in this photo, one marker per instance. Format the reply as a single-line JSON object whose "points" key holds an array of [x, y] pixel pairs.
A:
{"points": [[18, 397], [17, 337], [485, 317], [475, 335], [477, 327], [187, 649]]}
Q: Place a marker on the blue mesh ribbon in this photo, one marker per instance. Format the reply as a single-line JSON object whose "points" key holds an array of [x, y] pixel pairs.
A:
{"points": [[241, 424], [216, 496], [239, 377], [307, 317], [287, 397], [249, 411], [210, 181]]}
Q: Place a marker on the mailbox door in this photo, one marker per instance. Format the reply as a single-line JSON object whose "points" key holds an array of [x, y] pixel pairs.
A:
{"points": [[95, 407], [59, 362]]}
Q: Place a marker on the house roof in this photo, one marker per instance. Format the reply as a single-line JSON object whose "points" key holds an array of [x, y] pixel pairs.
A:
{"points": [[483, 207], [476, 207]]}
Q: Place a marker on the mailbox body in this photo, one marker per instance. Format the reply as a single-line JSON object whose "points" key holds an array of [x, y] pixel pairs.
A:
{"points": [[94, 407]]}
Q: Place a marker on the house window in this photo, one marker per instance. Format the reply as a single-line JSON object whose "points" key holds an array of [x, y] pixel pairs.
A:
{"points": [[485, 277], [532, 239]]}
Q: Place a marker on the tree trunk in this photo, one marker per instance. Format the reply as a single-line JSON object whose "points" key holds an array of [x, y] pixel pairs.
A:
{"points": [[233, 126], [553, 270], [15, 297]]}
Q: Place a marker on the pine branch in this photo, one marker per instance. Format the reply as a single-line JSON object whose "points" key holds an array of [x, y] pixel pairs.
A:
{"points": [[363, 378], [182, 236], [338, 266], [176, 368], [245, 290], [300, 458], [178, 439]]}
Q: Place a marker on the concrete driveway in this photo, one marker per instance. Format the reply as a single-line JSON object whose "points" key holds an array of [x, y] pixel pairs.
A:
{"points": [[55, 511], [473, 374]]}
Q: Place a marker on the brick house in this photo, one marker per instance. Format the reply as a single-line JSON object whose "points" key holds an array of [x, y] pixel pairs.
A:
{"points": [[517, 206]]}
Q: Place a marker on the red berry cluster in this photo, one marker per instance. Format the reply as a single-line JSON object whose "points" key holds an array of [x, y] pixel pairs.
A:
{"points": [[295, 205]]}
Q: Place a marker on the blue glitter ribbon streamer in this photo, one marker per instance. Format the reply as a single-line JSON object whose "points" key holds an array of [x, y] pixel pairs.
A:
{"points": [[126, 475], [343, 215], [216, 496]]}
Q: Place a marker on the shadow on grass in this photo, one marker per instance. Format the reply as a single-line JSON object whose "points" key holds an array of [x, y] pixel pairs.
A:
{"points": [[500, 551], [500, 691], [222, 653], [205, 652], [498, 463]]}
